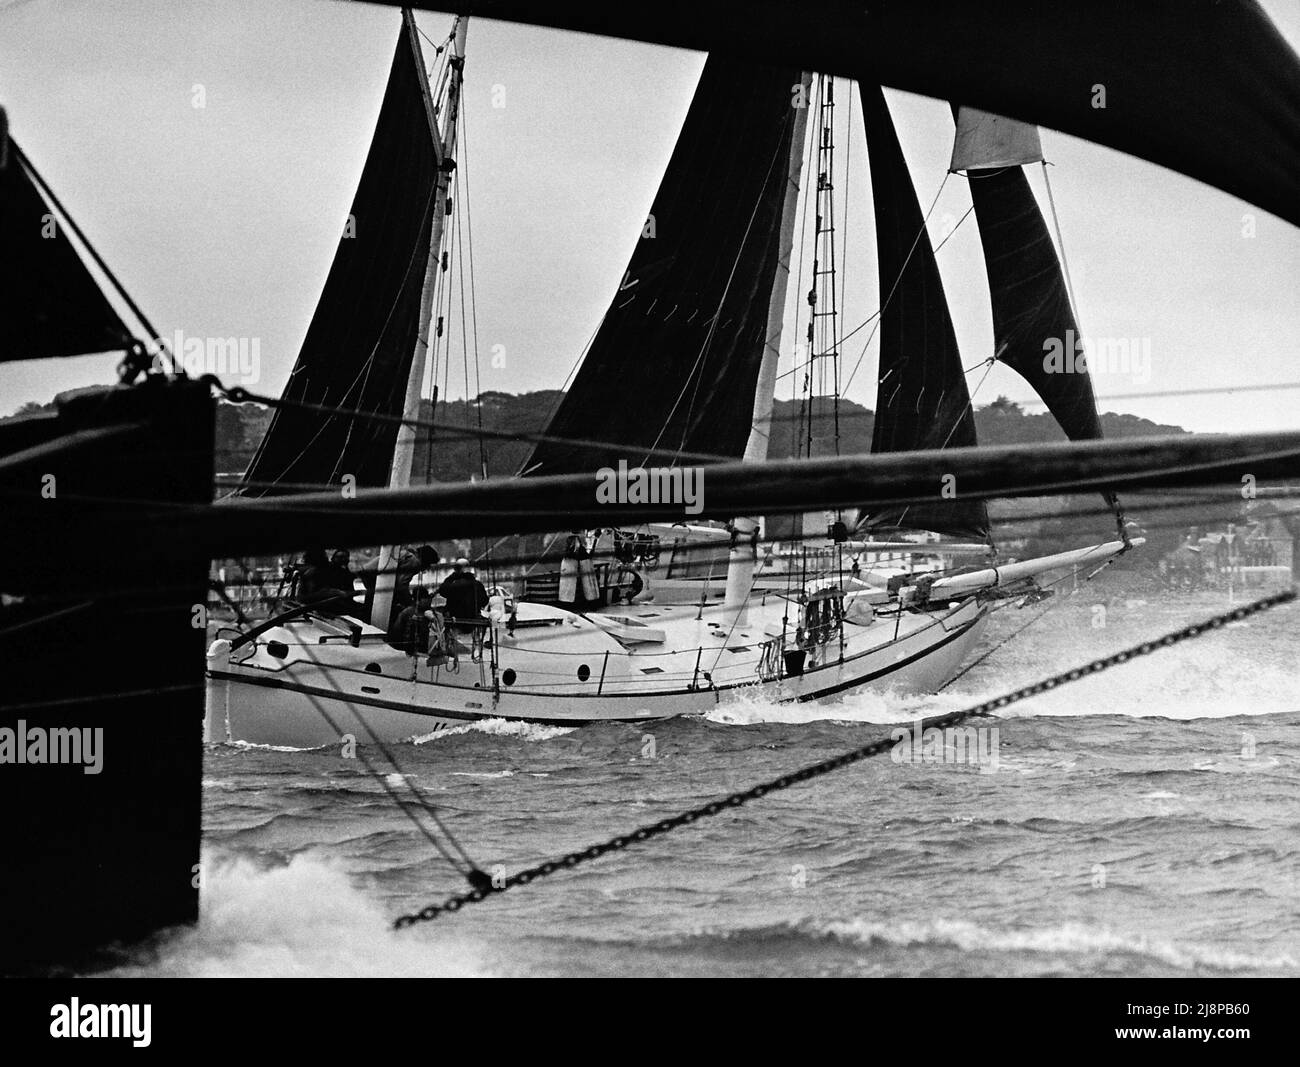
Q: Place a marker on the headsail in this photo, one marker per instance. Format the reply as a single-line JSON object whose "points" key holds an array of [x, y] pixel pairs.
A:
{"points": [[922, 400], [50, 304], [1032, 317], [674, 365], [358, 349]]}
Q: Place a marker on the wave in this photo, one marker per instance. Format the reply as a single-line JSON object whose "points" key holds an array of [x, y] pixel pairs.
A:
{"points": [[524, 731], [1091, 948], [1207, 679], [1067, 939], [305, 919]]}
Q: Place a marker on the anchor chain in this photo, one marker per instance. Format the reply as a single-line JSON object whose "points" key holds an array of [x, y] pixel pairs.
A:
{"points": [[482, 891]]}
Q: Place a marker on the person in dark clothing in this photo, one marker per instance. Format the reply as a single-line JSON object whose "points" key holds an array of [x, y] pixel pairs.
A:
{"points": [[464, 594], [318, 583], [409, 564], [412, 628], [340, 575]]}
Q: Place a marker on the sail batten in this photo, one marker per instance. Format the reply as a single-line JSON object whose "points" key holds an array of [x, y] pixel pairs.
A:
{"points": [[674, 365], [922, 399], [358, 349]]}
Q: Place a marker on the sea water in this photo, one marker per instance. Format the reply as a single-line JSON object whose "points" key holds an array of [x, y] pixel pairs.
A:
{"points": [[1144, 821]]}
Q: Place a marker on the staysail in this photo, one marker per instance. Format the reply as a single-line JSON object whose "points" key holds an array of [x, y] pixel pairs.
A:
{"points": [[1034, 328], [922, 401], [50, 304], [358, 349], [674, 365]]}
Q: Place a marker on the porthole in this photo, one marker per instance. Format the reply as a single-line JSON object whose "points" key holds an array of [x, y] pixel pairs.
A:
{"points": [[584, 672], [278, 649], [508, 676], [374, 668]]}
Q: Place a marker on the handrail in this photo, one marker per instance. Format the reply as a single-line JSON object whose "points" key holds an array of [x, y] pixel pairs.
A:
{"points": [[283, 617]]}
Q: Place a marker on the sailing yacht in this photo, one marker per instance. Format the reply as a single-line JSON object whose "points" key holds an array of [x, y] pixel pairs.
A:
{"points": [[682, 370]]}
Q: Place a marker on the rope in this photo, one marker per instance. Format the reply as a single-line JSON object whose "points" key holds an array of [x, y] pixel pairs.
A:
{"points": [[817, 770], [240, 395], [392, 794]]}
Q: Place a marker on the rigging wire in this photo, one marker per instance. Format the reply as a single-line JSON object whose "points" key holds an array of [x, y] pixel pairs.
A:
{"points": [[894, 288], [420, 800], [1006, 524], [696, 373]]}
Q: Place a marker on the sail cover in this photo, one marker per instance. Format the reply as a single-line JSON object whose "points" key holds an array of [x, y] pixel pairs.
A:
{"points": [[50, 304], [358, 349], [922, 401], [674, 365], [1032, 318], [986, 140]]}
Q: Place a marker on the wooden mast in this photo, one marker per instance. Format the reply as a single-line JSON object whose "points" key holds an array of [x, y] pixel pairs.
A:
{"points": [[445, 149], [744, 550]]}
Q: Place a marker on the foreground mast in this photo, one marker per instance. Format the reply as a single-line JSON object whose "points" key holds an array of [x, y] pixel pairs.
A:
{"points": [[445, 148], [740, 565]]}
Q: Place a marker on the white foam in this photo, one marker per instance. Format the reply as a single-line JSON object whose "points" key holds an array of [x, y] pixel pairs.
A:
{"points": [[251, 746], [306, 919], [1070, 938], [527, 731]]}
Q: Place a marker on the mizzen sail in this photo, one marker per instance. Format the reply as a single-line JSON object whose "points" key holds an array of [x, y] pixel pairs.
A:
{"points": [[1034, 327], [358, 349], [674, 365]]}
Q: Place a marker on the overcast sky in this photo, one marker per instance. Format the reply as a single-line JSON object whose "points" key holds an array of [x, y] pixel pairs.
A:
{"points": [[222, 220]]}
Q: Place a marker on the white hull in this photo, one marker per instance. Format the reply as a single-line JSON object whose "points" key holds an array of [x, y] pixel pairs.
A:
{"points": [[319, 687]]}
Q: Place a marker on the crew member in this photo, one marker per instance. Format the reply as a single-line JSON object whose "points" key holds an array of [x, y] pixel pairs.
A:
{"points": [[464, 595]]}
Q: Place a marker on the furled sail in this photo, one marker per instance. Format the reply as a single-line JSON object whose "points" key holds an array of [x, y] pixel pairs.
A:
{"points": [[358, 349], [674, 365], [922, 401], [1034, 330], [50, 304]]}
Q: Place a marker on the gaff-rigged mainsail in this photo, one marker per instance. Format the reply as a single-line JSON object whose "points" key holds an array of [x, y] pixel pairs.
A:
{"points": [[922, 400], [1032, 317], [50, 304], [674, 365], [358, 349]]}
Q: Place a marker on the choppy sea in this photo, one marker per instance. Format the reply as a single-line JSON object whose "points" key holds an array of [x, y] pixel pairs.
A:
{"points": [[1141, 822]]}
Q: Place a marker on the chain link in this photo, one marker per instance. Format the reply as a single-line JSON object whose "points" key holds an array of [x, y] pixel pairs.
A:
{"points": [[835, 763]]}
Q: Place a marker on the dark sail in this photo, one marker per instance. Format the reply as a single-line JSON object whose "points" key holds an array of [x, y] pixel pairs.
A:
{"points": [[358, 349], [50, 304], [674, 365], [922, 401], [1215, 93], [1031, 308]]}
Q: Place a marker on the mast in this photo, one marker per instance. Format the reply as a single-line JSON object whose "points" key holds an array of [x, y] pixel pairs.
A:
{"points": [[744, 548], [404, 452]]}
